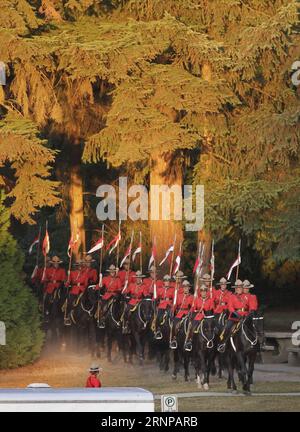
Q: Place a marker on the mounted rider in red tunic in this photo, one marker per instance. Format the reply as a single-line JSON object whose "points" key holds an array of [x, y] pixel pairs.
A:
{"points": [[201, 304], [221, 298], [92, 274], [252, 299], [182, 307], [55, 276], [111, 287], [239, 307], [165, 297], [152, 281], [134, 293], [77, 283], [125, 273], [206, 280]]}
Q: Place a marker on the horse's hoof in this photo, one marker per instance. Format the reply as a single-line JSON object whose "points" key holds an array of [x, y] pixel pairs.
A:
{"points": [[187, 379], [234, 391], [174, 377], [247, 392], [206, 387]]}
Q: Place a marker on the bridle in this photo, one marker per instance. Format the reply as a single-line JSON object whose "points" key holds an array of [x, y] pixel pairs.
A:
{"points": [[209, 342]]}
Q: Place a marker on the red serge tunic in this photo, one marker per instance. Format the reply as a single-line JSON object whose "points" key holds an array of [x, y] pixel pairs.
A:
{"points": [[91, 275], [202, 305], [238, 303], [136, 292], [54, 277], [183, 304], [252, 301], [165, 297], [112, 286], [221, 299], [93, 381], [149, 283], [122, 276], [78, 281]]}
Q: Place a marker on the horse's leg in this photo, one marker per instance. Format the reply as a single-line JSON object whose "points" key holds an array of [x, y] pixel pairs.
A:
{"points": [[251, 359], [175, 367], [231, 385], [139, 346], [186, 361], [242, 370]]}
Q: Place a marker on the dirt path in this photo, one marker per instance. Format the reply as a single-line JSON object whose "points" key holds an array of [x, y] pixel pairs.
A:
{"points": [[70, 370]]}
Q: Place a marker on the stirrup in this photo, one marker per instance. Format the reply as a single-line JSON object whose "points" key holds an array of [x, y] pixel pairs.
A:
{"points": [[188, 346], [101, 324], [67, 322], [158, 335], [221, 348], [173, 344]]}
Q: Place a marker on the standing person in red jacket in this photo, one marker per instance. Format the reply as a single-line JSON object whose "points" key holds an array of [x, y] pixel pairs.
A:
{"points": [[112, 286], [202, 304], [238, 307], [78, 282], [93, 380], [91, 272], [165, 298], [182, 307], [134, 293], [252, 299]]}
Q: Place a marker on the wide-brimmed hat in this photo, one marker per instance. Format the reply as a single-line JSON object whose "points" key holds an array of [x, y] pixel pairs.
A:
{"points": [[203, 288], [206, 277], [111, 268], [166, 278], [238, 284], [95, 368], [138, 274], [88, 259], [126, 261], [179, 275], [186, 283], [55, 260], [223, 281], [247, 284]]}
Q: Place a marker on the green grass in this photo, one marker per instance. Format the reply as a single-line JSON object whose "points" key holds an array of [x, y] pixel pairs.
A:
{"points": [[237, 404]]}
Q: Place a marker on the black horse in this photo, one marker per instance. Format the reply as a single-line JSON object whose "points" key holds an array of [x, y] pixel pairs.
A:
{"points": [[161, 342], [83, 328], [139, 323], [52, 313], [244, 346], [113, 329], [204, 347], [181, 356]]}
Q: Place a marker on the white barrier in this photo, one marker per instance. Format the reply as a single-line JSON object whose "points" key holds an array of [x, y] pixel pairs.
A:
{"points": [[110, 399]]}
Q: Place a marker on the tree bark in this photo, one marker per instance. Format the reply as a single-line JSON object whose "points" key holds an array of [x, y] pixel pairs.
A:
{"points": [[76, 197], [205, 159], [164, 172]]}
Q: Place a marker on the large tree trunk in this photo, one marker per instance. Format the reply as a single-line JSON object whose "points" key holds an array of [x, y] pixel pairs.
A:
{"points": [[205, 159], [76, 196], [165, 172]]}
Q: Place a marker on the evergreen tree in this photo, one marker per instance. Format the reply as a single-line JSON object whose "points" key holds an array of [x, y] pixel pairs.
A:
{"points": [[18, 306]]}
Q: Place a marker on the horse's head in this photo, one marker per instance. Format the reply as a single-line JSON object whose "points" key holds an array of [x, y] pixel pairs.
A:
{"points": [[147, 309], [258, 324], [92, 294], [209, 323]]}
